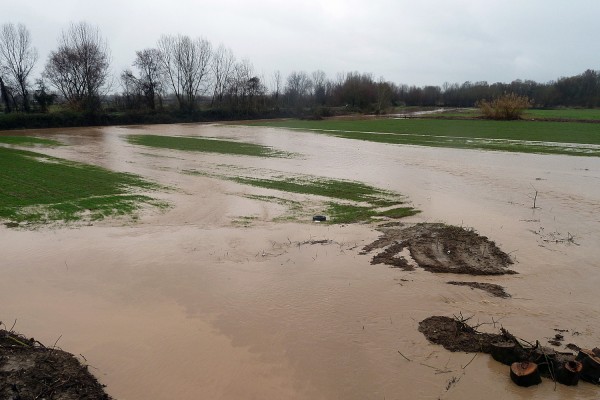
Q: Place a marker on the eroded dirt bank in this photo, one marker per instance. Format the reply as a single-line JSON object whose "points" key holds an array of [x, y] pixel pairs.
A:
{"points": [[31, 370], [188, 302]]}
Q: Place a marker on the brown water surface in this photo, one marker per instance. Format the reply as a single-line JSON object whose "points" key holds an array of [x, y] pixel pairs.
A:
{"points": [[187, 304]]}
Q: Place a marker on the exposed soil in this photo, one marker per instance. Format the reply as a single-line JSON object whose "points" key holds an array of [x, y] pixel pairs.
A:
{"points": [[455, 334], [440, 248], [491, 288], [29, 370]]}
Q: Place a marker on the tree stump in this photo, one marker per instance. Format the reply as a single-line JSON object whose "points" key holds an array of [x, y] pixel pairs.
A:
{"points": [[525, 374], [591, 366], [545, 358], [504, 352], [569, 373]]}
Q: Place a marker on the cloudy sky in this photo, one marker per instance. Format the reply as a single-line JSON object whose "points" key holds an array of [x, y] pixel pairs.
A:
{"points": [[414, 42]]}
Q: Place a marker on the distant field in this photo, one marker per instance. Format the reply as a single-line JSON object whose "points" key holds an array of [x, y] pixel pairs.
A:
{"points": [[207, 145], [35, 188], [583, 114], [570, 138], [28, 141], [567, 113]]}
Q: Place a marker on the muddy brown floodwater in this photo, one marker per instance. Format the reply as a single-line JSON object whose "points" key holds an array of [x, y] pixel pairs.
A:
{"points": [[187, 304]]}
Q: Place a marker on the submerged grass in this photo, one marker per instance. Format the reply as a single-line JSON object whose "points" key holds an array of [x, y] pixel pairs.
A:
{"points": [[346, 201], [207, 145], [571, 138], [358, 202], [349, 213], [337, 189], [35, 188], [28, 141]]}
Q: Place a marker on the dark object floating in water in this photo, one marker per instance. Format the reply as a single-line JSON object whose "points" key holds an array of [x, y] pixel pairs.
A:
{"points": [[319, 218]]}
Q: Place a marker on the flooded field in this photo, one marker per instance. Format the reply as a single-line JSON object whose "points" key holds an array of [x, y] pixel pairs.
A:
{"points": [[220, 297]]}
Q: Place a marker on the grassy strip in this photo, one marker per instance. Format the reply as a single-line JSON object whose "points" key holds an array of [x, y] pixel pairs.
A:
{"points": [[560, 114], [358, 202], [366, 199], [515, 136], [36, 188], [28, 141], [349, 213], [205, 145], [567, 113], [337, 189]]}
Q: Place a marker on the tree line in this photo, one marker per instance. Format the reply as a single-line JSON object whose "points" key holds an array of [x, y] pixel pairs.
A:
{"points": [[185, 74]]}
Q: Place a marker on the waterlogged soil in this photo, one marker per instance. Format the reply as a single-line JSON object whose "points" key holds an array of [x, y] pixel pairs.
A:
{"points": [[186, 302], [491, 288], [456, 334], [440, 248], [29, 370]]}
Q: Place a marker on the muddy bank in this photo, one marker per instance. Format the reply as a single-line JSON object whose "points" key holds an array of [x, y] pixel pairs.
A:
{"points": [[455, 334], [439, 248], [30, 370]]}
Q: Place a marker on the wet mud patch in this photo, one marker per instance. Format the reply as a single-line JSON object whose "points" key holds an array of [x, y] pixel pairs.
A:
{"points": [[455, 335], [439, 248], [491, 288], [30, 370]]}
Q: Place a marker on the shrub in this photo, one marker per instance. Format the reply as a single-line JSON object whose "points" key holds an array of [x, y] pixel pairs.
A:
{"points": [[506, 107]]}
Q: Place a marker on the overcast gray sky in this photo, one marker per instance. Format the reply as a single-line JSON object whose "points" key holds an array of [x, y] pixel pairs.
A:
{"points": [[414, 42]]}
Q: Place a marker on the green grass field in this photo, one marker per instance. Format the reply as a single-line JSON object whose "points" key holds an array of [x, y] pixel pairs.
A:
{"points": [[567, 113], [569, 138], [28, 141], [205, 145], [37, 189], [582, 114]]}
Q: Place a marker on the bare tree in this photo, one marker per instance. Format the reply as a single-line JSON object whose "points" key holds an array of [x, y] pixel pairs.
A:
{"points": [[42, 96], [237, 90], [319, 80], [79, 69], [384, 95], [132, 90], [298, 88], [6, 99], [17, 59], [148, 63], [185, 63], [222, 67], [276, 86]]}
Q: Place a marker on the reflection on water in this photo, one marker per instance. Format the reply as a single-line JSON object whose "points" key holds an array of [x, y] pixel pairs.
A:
{"points": [[186, 305]]}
